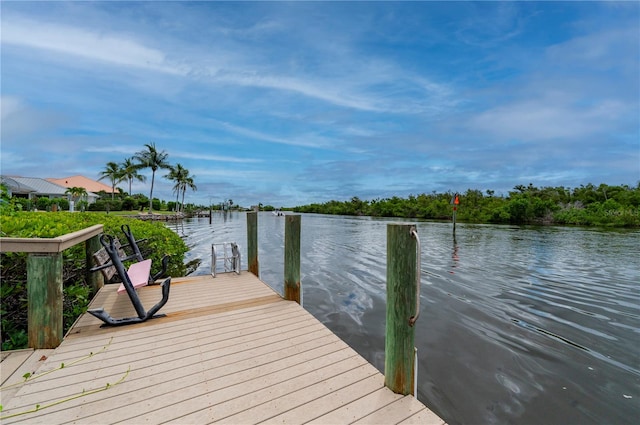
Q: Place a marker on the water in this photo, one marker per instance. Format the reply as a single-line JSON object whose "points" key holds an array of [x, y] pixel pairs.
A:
{"points": [[522, 325]]}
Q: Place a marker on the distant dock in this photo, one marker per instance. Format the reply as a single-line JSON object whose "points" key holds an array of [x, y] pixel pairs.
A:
{"points": [[230, 350], [156, 216]]}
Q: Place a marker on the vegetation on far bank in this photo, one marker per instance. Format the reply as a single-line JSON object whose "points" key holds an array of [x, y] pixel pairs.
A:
{"points": [[603, 205], [160, 240]]}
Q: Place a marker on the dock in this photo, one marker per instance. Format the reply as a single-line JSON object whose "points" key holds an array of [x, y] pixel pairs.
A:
{"points": [[230, 350]]}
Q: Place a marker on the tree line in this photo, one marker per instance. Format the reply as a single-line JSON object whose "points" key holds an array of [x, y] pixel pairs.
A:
{"points": [[602, 205], [149, 157]]}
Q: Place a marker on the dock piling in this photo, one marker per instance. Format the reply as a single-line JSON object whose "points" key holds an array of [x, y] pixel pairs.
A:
{"points": [[401, 301], [252, 243], [292, 258]]}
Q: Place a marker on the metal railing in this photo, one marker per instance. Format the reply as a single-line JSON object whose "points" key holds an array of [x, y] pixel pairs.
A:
{"points": [[228, 254]]}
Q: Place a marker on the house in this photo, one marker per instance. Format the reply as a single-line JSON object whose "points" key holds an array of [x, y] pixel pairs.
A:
{"points": [[34, 187], [82, 181], [15, 188]]}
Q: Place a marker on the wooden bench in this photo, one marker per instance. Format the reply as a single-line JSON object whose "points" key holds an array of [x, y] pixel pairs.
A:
{"points": [[138, 274], [103, 263]]}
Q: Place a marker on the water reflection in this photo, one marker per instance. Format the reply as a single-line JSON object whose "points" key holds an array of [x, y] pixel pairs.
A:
{"points": [[454, 255], [517, 325], [178, 227]]}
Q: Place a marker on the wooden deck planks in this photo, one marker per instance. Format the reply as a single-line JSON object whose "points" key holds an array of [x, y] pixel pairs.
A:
{"points": [[15, 365], [359, 408], [162, 354], [398, 411], [230, 350]]}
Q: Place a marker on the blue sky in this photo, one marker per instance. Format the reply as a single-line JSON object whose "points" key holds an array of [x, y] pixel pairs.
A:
{"points": [[288, 103]]}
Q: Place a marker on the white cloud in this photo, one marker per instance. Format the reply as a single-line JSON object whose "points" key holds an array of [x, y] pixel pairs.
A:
{"points": [[87, 44], [329, 91], [20, 119], [353, 81], [219, 158], [540, 120], [127, 150], [489, 27], [267, 137], [613, 48], [9, 105]]}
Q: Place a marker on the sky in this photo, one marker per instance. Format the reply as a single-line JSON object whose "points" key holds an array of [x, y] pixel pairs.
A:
{"points": [[291, 103]]}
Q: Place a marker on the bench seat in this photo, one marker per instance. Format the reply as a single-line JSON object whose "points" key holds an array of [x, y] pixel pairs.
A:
{"points": [[139, 274]]}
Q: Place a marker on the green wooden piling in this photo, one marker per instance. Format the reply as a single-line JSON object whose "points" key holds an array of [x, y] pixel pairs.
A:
{"points": [[252, 243], [292, 258], [401, 301], [94, 279], [44, 295]]}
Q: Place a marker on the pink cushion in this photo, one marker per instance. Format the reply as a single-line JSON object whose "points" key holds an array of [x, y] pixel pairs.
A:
{"points": [[138, 274]]}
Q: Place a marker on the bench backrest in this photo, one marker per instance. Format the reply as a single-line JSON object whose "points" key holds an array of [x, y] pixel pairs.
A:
{"points": [[101, 258]]}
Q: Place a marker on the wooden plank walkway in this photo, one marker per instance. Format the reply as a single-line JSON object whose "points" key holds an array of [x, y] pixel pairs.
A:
{"points": [[230, 350]]}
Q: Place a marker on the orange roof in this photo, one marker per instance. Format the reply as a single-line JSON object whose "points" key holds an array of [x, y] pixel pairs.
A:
{"points": [[82, 181]]}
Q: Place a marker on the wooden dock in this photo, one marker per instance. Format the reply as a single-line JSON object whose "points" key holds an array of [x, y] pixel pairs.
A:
{"points": [[230, 350]]}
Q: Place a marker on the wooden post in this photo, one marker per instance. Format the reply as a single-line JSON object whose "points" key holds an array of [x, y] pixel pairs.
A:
{"points": [[94, 279], [401, 302], [292, 258], [454, 219], [252, 243], [44, 295], [456, 202]]}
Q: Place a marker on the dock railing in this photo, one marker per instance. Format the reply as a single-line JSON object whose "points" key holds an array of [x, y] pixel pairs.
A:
{"points": [[44, 280]]}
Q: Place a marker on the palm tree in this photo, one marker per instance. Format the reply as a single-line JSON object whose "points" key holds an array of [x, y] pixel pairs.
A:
{"points": [[183, 180], [151, 158], [113, 172], [130, 172], [176, 174], [77, 193], [187, 182]]}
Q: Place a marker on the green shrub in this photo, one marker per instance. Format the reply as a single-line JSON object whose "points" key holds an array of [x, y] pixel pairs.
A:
{"points": [[106, 205], [43, 203], [25, 204], [129, 204]]}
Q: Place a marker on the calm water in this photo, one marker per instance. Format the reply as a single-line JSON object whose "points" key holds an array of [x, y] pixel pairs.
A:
{"points": [[522, 325]]}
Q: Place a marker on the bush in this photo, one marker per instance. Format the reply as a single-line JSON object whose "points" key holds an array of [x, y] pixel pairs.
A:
{"points": [[25, 204], [518, 210], [62, 203], [43, 203], [129, 204], [106, 205]]}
